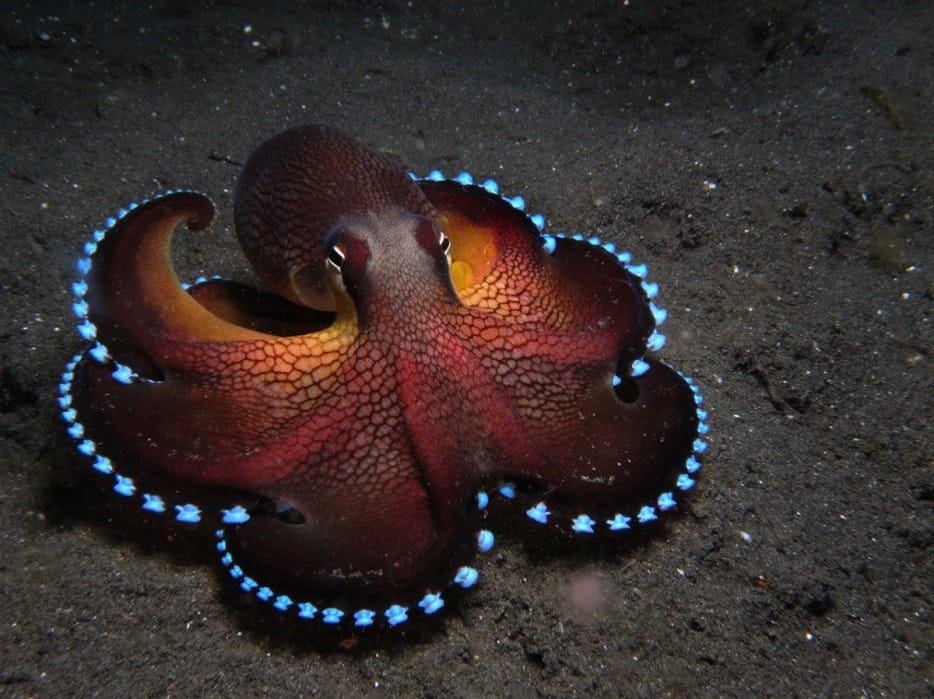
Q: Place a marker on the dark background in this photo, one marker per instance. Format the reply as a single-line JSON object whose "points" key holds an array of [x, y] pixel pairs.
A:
{"points": [[771, 162]]}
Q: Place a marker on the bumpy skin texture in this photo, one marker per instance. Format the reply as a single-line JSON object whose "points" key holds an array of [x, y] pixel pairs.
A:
{"points": [[292, 191], [360, 435]]}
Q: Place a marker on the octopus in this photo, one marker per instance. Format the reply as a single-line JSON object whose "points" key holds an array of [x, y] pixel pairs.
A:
{"points": [[418, 345]]}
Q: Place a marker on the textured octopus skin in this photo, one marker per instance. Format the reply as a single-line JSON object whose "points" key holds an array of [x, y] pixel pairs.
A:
{"points": [[425, 343]]}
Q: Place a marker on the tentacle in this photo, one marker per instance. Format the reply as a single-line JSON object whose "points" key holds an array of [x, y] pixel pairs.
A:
{"points": [[391, 610], [133, 301], [610, 429], [362, 539], [618, 445], [501, 263], [579, 505], [174, 388]]}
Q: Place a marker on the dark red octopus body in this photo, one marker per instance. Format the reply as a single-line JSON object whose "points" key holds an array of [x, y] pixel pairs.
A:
{"points": [[425, 346]]}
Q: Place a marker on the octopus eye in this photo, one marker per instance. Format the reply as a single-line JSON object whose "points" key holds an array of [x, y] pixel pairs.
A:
{"points": [[444, 242], [336, 258]]}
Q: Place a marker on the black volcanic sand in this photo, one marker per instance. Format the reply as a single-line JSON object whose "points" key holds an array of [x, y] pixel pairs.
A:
{"points": [[772, 166]]}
